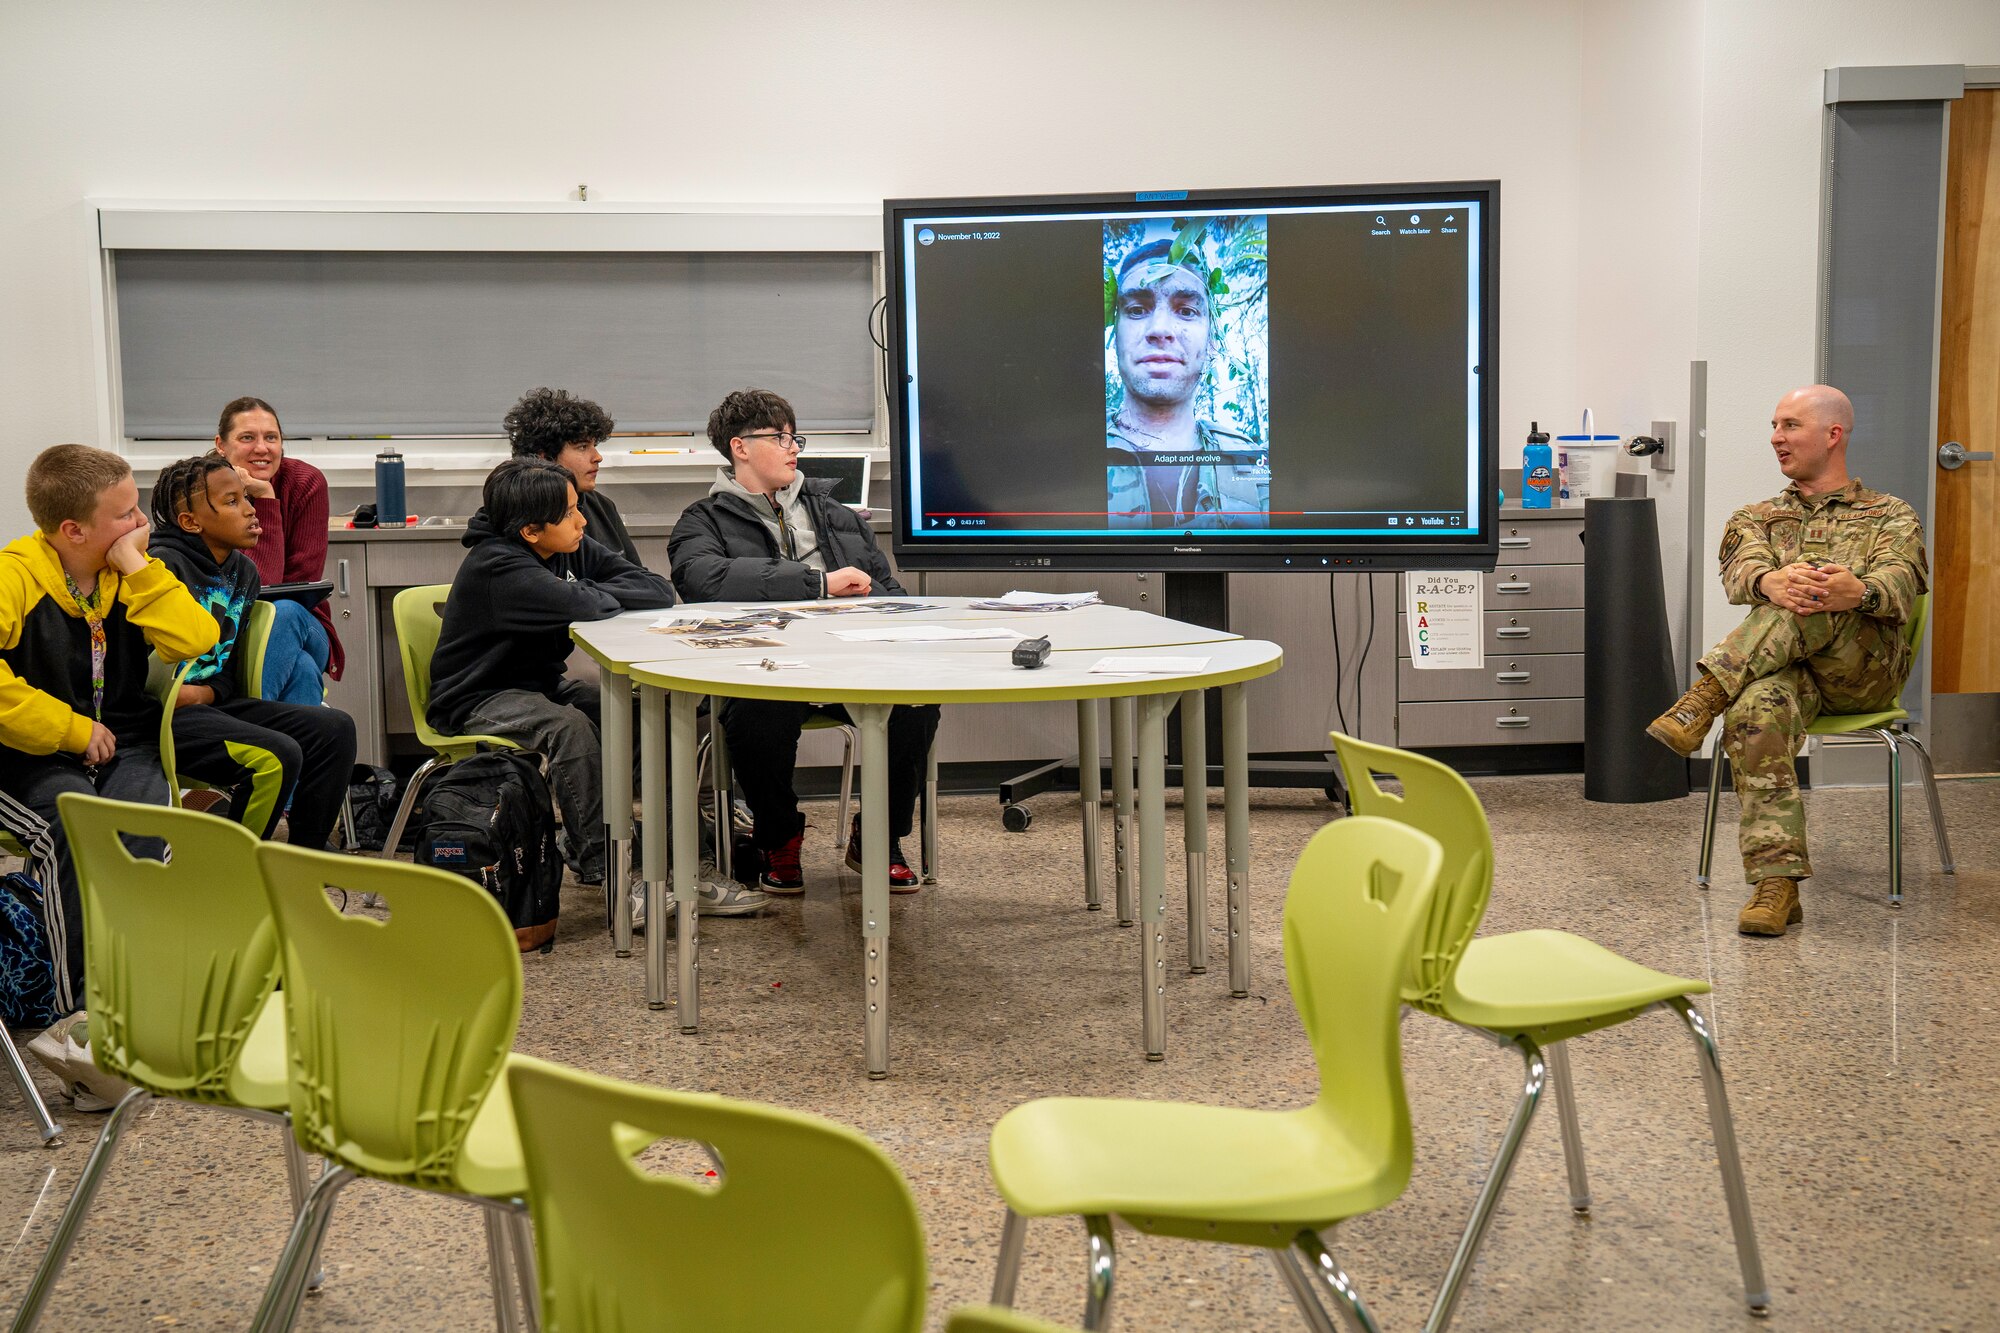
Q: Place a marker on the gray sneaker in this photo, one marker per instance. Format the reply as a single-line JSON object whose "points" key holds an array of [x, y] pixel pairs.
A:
{"points": [[725, 897]]}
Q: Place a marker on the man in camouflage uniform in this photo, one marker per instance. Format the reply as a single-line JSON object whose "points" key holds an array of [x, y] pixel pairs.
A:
{"points": [[1832, 572], [1165, 467]]}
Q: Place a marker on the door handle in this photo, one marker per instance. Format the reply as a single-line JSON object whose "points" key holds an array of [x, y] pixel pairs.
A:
{"points": [[1515, 542], [1513, 632], [1512, 721], [1952, 456], [1515, 588], [1511, 677], [340, 577]]}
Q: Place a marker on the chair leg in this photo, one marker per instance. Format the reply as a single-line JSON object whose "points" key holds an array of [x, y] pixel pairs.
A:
{"points": [[1301, 1287], [1888, 739], [1756, 1293], [521, 1235], [846, 787], [1937, 807], [45, 1124], [1007, 1273], [287, 1288], [1571, 1127], [1353, 1312], [1496, 1184], [408, 803], [298, 1175], [1103, 1260], [71, 1221], [501, 1266], [1715, 765]]}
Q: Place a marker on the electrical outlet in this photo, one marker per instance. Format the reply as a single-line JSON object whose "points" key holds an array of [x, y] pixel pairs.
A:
{"points": [[1669, 455]]}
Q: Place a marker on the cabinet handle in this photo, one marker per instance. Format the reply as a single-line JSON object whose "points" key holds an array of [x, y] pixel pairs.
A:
{"points": [[1512, 721], [1514, 588], [1516, 542], [1511, 677], [340, 577], [1513, 631]]}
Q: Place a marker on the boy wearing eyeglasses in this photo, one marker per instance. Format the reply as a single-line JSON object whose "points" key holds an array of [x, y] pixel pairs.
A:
{"points": [[767, 533]]}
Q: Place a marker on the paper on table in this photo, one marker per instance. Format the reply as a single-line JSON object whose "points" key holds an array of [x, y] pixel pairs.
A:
{"points": [[920, 633], [1149, 666], [1033, 601]]}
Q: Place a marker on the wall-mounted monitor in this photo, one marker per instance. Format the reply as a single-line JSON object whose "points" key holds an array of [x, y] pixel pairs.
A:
{"points": [[1299, 379]]}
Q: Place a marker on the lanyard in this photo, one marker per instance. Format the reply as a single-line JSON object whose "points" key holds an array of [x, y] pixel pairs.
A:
{"points": [[91, 616]]}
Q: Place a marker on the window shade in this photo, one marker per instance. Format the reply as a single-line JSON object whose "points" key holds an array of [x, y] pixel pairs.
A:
{"points": [[439, 343]]}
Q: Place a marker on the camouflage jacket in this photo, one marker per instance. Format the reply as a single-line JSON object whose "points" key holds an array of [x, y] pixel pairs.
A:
{"points": [[1876, 535], [1233, 491]]}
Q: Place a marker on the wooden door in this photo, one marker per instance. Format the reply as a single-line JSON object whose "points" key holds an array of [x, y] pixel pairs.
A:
{"points": [[1965, 543]]}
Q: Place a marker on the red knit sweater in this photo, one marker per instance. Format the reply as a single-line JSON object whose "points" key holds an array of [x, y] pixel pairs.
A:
{"points": [[293, 547]]}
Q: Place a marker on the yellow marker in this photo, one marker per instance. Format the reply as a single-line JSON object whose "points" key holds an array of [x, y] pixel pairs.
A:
{"points": [[662, 451]]}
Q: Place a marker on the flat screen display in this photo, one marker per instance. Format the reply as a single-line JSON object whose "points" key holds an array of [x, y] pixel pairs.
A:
{"points": [[1294, 379]]}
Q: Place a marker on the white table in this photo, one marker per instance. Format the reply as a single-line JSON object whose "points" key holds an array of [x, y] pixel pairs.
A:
{"points": [[618, 643], [873, 678]]}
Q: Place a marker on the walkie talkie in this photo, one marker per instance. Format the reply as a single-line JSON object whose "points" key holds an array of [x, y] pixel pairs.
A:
{"points": [[1031, 653]]}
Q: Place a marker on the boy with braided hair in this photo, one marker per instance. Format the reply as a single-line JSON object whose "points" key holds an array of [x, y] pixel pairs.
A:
{"points": [[268, 755]]}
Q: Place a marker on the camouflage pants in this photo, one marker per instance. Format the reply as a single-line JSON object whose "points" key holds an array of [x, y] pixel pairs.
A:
{"points": [[1781, 672]]}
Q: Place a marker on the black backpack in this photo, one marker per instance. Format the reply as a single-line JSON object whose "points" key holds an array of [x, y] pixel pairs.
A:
{"points": [[488, 818], [371, 800]]}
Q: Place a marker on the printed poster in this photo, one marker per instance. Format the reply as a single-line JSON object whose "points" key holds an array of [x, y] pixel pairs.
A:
{"points": [[1442, 609]]}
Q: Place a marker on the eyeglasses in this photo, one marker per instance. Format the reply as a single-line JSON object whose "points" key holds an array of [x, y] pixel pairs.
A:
{"points": [[783, 439]]}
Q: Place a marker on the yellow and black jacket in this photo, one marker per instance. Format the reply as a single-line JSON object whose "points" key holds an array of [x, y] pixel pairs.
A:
{"points": [[45, 686]]}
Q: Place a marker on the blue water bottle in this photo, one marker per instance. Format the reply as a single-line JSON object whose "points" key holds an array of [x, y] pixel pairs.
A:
{"points": [[1538, 470], [389, 510]]}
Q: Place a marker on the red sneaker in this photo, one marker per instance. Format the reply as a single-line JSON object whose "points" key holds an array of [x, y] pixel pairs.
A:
{"points": [[902, 879], [781, 873]]}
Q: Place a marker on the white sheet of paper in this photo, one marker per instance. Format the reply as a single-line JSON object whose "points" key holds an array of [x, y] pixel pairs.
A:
{"points": [[1018, 598], [1148, 666], [920, 633]]}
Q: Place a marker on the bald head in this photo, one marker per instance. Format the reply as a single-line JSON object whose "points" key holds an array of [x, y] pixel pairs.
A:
{"points": [[1809, 433]]}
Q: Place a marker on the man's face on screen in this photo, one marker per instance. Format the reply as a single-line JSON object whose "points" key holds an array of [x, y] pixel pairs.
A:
{"points": [[1162, 333]]}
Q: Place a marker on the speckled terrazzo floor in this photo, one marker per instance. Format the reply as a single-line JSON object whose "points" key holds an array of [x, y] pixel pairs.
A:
{"points": [[1861, 1051]]}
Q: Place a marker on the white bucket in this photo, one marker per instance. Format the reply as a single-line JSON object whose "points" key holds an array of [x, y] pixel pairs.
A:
{"points": [[1589, 463]]}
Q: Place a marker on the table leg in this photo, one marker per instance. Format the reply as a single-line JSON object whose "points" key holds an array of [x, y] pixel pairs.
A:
{"points": [[928, 824], [874, 726], [1090, 791], [1236, 832], [686, 795], [653, 851], [1121, 807], [722, 782], [1153, 870], [614, 695], [1194, 819]]}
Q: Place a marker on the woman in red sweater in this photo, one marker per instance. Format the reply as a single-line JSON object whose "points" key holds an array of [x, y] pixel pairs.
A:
{"points": [[290, 498]]}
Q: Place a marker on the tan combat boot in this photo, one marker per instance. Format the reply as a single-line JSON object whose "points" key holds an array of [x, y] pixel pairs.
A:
{"points": [[1683, 727], [1773, 905]]}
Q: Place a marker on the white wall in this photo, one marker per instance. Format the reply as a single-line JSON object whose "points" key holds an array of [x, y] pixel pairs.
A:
{"points": [[784, 101]]}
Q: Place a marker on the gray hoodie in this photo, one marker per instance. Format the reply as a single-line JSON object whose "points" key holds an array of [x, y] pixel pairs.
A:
{"points": [[795, 535]]}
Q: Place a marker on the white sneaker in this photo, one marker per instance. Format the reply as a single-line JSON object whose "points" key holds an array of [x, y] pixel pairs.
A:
{"points": [[638, 894], [87, 1086]]}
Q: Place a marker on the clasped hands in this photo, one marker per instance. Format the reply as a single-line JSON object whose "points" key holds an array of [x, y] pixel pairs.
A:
{"points": [[1807, 590]]}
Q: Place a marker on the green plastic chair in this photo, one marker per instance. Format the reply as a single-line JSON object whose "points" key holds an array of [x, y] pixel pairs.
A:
{"points": [[396, 1059], [255, 634], [1891, 726], [418, 621], [623, 1248], [1358, 900], [1532, 990], [181, 958]]}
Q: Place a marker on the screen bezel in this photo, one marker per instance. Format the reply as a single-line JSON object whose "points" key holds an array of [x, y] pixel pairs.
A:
{"points": [[1170, 551]]}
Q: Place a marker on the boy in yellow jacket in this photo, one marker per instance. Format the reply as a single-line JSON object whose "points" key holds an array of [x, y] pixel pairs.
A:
{"points": [[82, 607]]}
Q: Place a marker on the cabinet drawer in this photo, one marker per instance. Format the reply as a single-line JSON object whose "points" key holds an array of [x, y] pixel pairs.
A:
{"points": [[1552, 541], [1518, 632], [1491, 722], [1527, 676], [1535, 587]]}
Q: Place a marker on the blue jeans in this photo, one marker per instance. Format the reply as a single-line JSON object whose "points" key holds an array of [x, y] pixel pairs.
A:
{"points": [[295, 659]]}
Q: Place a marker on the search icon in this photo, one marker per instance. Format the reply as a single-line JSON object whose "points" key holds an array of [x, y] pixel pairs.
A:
{"points": [[1380, 221]]}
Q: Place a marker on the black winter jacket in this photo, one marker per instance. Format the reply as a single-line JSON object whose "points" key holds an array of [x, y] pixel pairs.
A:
{"points": [[721, 550], [507, 619]]}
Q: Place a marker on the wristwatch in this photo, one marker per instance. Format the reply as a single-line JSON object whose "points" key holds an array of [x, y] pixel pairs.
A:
{"points": [[1871, 600]]}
